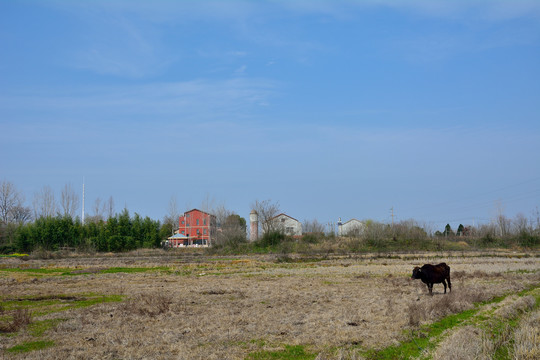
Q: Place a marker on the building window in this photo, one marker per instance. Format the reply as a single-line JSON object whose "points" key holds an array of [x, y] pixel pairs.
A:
{"points": [[204, 231], [197, 222], [204, 221], [289, 230], [182, 231], [183, 222], [198, 231]]}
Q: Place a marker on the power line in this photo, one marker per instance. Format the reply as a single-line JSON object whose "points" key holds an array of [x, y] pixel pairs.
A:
{"points": [[483, 204]]}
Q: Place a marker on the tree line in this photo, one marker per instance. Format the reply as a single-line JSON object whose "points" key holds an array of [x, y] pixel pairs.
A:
{"points": [[52, 225], [120, 232]]}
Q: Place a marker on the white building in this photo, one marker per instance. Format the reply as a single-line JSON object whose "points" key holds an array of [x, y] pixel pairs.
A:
{"points": [[351, 227], [288, 225]]}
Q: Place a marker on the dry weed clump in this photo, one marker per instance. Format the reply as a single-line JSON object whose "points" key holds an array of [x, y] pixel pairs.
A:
{"points": [[527, 338], [466, 343], [516, 307], [451, 303], [416, 313], [152, 304], [20, 318]]}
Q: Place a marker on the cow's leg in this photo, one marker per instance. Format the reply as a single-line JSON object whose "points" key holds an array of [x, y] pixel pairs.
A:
{"points": [[430, 288], [444, 283], [449, 283]]}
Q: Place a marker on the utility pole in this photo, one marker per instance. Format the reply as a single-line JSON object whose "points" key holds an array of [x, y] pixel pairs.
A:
{"points": [[392, 214], [331, 227]]}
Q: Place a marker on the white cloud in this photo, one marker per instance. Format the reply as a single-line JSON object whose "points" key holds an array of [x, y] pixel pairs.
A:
{"points": [[241, 70], [198, 99]]}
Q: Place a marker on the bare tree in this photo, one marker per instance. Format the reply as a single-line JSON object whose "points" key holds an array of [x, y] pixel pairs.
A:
{"points": [[267, 211], [231, 227], [69, 201], [488, 231], [172, 216], [9, 199], [537, 222], [21, 214], [44, 203], [521, 225], [502, 221], [173, 210], [110, 207], [99, 209], [209, 204], [375, 232], [313, 226]]}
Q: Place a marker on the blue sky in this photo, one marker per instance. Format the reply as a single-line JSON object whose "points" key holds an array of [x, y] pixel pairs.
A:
{"points": [[331, 108]]}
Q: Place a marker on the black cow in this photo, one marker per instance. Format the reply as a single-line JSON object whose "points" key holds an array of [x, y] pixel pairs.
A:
{"points": [[433, 274]]}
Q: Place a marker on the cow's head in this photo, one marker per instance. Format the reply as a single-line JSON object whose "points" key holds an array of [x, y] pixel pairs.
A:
{"points": [[416, 273]]}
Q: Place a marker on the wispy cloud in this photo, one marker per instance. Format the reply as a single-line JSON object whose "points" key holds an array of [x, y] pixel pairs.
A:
{"points": [[197, 99], [124, 38]]}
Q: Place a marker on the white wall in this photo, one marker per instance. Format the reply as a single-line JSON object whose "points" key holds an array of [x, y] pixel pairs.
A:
{"points": [[288, 225]]}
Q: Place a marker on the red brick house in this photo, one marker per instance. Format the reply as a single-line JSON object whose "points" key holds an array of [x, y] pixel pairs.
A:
{"points": [[198, 226]]}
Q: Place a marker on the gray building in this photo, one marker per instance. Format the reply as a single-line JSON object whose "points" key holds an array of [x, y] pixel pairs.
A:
{"points": [[286, 224]]}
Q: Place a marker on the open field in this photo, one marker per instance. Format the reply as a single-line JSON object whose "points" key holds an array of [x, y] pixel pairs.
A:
{"points": [[170, 305]]}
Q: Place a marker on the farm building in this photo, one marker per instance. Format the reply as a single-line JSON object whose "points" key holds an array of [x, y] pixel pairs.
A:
{"points": [[287, 224], [351, 227], [198, 228]]}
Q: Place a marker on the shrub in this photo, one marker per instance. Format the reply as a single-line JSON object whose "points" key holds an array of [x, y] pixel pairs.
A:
{"points": [[526, 239], [272, 238], [312, 238], [7, 249], [21, 318]]}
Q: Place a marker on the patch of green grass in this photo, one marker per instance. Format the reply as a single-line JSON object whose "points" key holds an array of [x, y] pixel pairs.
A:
{"points": [[43, 305], [34, 270], [39, 327], [130, 270], [414, 347], [31, 346], [291, 352], [496, 328], [97, 300], [74, 272], [500, 330], [523, 271]]}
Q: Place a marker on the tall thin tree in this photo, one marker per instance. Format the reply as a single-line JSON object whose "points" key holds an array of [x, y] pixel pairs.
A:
{"points": [[44, 203], [69, 201]]}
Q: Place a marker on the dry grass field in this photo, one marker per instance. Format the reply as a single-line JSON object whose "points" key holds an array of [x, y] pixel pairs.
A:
{"points": [[167, 305]]}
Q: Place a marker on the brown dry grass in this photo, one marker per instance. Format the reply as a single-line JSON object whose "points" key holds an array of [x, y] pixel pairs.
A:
{"points": [[227, 307], [492, 331], [466, 343], [527, 338]]}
